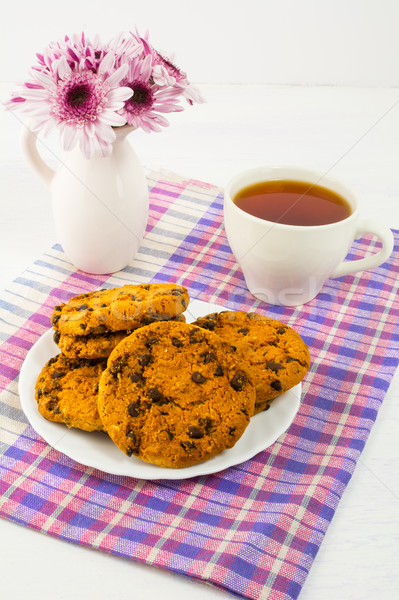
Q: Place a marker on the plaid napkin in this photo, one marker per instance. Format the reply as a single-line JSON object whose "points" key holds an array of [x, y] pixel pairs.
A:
{"points": [[253, 529]]}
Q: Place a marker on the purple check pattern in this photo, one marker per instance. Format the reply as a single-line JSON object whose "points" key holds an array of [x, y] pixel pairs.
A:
{"points": [[253, 529]]}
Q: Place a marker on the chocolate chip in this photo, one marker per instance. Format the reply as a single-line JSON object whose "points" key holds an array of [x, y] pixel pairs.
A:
{"points": [[292, 359], [187, 446], [58, 308], [83, 326], [103, 305], [276, 385], [117, 368], [58, 374], [195, 433], [82, 307], [274, 366], [244, 330], [219, 371], [239, 381], [133, 409], [55, 319], [195, 336], [234, 348], [231, 430], [170, 434], [56, 337], [197, 377], [206, 423], [144, 360], [96, 388], [208, 324], [151, 341], [53, 407], [132, 436], [157, 397], [176, 342], [135, 377], [176, 292], [155, 394], [208, 357], [52, 361], [39, 392], [281, 330]]}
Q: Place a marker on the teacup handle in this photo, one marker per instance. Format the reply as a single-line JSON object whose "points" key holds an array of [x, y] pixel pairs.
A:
{"points": [[383, 233]]}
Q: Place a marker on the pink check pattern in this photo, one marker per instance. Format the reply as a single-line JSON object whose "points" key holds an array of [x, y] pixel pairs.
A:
{"points": [[253, 529]]}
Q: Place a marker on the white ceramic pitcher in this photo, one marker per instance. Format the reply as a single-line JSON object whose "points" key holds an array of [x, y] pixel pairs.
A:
{"points": [[100, 205]]}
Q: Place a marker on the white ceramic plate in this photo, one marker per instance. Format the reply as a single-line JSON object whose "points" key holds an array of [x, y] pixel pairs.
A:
{"points": [[98, 451]]}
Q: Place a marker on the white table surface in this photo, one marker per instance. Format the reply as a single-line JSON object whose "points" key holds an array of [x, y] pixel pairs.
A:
{"points": [[353, 134]]}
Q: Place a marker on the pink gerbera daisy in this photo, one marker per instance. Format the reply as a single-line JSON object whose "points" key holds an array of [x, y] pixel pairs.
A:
{"points": [[148, 99], [82, 103]]}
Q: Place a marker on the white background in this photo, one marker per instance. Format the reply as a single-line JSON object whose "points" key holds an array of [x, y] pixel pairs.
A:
{"points": [[298, 42], [306, 82]]}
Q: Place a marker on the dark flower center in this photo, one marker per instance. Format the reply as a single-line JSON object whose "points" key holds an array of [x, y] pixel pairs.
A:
{"points": [[142, 94], [142, 99], [78, 95], [79, 99]]}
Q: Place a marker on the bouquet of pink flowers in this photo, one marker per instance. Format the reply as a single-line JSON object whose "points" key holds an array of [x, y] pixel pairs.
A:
{"points": [[86, 89]]}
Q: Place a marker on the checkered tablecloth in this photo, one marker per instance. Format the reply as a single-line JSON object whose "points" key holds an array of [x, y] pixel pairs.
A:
{"points": [[253, 529]]}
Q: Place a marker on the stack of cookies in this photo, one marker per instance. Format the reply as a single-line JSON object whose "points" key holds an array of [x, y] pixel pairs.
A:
{"points": [[91, 325], [171, 393], [86, 329]]}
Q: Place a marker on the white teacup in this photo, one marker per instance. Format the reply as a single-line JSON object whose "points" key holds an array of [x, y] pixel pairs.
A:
{"points": [[287, 265]]}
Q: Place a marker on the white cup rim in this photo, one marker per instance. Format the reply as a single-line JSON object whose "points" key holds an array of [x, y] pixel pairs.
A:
{"points": [[288, 172]]}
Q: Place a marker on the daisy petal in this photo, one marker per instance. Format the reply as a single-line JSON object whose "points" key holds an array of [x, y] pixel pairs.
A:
{"points": [[68, 137], [120, 94], [117, 76], [112, 119], [107, 63], [44, 79], [64, 70]]}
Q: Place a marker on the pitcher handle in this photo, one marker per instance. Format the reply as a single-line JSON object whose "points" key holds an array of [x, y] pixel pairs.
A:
{"points": [[29, 147], [384, 234]]}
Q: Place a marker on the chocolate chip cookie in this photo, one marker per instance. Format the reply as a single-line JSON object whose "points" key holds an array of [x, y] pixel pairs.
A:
{"points": [[275, 356], [119, 309], [174, 395], [67, 392], [95, 346]]}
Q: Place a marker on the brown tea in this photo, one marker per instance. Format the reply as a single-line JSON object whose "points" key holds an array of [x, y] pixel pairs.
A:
{"points": [[293, 203]]}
